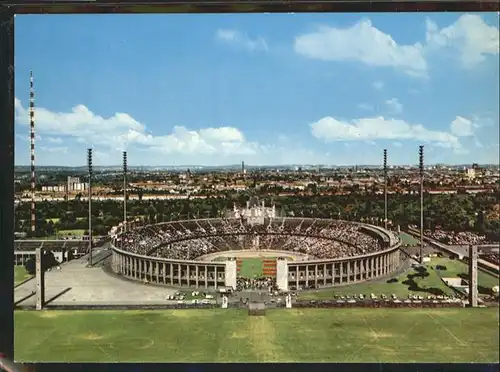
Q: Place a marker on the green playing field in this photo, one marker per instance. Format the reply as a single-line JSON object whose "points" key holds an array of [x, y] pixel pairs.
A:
{"points": [[250, 267], [294, 335]]}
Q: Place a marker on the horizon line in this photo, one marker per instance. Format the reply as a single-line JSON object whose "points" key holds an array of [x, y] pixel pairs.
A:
{"points": [[251, 166]]}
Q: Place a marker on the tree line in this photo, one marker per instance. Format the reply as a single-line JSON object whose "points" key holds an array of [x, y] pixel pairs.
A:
{"points": [[450, 212]]}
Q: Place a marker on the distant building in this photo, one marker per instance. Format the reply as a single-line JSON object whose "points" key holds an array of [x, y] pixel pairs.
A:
{"points": [[72, 184], [254, 213], [470, 173]]}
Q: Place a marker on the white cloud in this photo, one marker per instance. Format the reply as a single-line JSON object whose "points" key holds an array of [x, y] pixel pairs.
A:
{"points": [[330, 129], [470, 36], [394, 105], [121, 131], [240, 40], [462, 127], [362, 42], [378, 85]]}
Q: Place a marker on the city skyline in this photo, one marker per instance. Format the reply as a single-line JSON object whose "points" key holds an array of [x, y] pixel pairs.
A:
{"points": [[266, 89]]}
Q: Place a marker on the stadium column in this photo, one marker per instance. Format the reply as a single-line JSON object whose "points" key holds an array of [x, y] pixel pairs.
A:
{"points": [[324, 275], [150, 264], [206, 276], [215, 277], [297, 276], [230, 274], [316, 275], [282, 274], [333, 273], [188, 276], [40, 279], [164, 272], [179, 273], [171, 274], [307, 276], [473, 275], [134, 267], [197, 276]]}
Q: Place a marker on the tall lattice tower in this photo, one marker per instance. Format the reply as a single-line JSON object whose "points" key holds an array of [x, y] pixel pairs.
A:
{"points": [[32, 141]]}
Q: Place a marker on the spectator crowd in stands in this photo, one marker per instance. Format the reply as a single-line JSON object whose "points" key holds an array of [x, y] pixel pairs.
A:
{"points": [[458, 238], [188, 240]]}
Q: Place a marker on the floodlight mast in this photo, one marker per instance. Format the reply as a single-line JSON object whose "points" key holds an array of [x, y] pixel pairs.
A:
{"points": [[32, 154], [89, 163], [124, 191], [385, 188], [421, 171]]}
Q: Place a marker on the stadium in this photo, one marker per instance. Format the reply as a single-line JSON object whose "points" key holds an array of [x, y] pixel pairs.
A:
{"points": [[253, 244]]}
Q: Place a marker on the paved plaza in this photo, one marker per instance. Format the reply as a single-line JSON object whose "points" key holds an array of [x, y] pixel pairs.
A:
{"points": [[75, 284]]}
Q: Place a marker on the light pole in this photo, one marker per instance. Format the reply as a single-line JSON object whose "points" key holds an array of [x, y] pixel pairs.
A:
{"points": [[385, 188], [421, 169], [125, 191], [89, 163]]}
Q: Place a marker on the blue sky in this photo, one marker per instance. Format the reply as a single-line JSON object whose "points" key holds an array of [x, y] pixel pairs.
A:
{"points": [[266, 88]]}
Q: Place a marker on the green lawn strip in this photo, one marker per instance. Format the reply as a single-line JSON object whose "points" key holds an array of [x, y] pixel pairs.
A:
{"points": [[71, 232], [424, 286], [459, 269], [305, 335], [407, 239], [251, 267], [20, 274]]}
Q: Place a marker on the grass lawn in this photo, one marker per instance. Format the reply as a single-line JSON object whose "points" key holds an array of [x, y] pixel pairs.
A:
{"points": [[300, 335], [407, 239], [20, 274], [419, 284], [250, 267], [456, 268], [76, 232]]}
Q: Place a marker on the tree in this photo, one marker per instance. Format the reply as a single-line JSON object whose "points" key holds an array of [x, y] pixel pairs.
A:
{"points": [[49, 261]]}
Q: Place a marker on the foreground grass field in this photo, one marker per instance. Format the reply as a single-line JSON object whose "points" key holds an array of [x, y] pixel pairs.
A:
{"points": [[305, 335], [20, 274]]}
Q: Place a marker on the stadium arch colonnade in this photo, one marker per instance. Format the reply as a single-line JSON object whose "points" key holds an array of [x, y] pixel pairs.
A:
{"points": [[203, 274]]}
